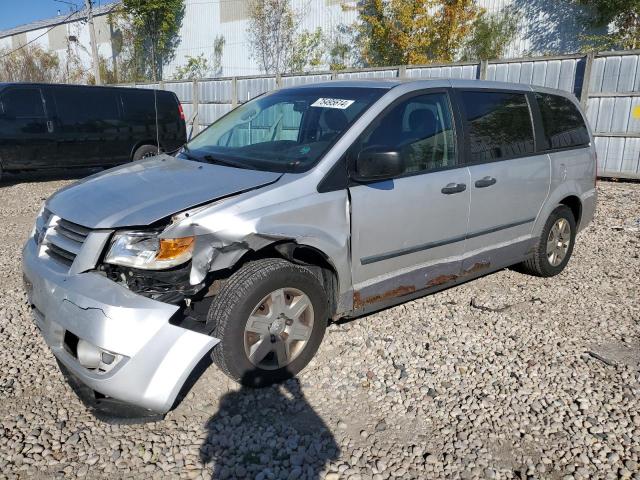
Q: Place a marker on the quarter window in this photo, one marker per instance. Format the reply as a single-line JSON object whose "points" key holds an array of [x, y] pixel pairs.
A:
{"points": [[499, 125], [22, 103], [563, 124], [421, 129]]}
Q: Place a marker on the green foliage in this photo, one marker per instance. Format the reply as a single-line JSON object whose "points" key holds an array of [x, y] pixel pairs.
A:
{"points": [[155, 25], [271, 31], [200, 66], [30, 64], [339, 45], [490, 35], [276, 44], [306, 51], [399, 32], [196, 67], [623, 16]]}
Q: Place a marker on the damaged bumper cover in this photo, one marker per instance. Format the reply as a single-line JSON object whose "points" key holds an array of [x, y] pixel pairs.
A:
{"points": [[150, 357]]}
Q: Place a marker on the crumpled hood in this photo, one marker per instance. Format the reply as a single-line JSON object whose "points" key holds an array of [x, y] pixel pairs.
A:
{"points": [[144, 192]]}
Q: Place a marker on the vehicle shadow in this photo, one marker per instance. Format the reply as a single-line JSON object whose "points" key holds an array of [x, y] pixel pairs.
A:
{"points": [[268, 433], [9, 179]]}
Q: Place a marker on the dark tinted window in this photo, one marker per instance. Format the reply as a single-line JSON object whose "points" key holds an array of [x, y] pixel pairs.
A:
{"points": [[420, 128], [22, 103], [139, 105], [77, 106], [563, 123], [499, 125]]}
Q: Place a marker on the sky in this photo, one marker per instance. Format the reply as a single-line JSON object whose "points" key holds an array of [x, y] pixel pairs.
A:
{"points": [[19, 12]]}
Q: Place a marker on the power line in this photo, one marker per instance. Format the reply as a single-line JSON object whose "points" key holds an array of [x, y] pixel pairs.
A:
{"points": [[39, 36]]}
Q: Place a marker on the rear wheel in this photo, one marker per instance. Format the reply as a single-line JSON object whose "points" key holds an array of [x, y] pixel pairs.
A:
{"points": [[145, 151], [270, 317], [555, 246]]}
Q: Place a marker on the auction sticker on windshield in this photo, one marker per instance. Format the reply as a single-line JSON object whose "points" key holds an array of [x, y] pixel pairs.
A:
{"points": [[332, 103]]}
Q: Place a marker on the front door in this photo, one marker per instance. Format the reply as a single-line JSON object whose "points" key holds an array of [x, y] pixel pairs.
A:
{"points": [[509, 181], [26, 135], [408, 233]]}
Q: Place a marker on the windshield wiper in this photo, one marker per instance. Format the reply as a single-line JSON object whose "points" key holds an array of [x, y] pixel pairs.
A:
{"points": [[222, 161], [187, 153]]}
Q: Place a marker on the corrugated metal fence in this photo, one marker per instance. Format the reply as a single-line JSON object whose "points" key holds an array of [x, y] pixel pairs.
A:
{"points": [[607, 84]]}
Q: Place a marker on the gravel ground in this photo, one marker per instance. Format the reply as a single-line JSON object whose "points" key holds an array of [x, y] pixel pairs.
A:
{"points": [[508, 376]]}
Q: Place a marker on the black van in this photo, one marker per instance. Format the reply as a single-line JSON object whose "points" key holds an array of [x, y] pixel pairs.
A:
{"points": [[63, 126]]}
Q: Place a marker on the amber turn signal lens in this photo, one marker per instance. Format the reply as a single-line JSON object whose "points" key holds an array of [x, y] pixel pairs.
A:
{"points": [[171, 248]]}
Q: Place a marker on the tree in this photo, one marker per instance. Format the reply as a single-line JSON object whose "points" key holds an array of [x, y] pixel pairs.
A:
{"points": [[30, 64], [396, 32], [272, 27], [339, 45], [156, 24], [276, 44], [490, 35], [306, 51], [200, 66], [622, 16]]}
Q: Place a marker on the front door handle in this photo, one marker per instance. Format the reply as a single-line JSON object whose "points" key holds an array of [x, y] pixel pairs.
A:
{"points": [[49, 126], [453, 188], [485, 182]]}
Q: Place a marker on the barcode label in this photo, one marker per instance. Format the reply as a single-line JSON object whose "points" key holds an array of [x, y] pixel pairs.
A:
{"points": [[332, 103]]}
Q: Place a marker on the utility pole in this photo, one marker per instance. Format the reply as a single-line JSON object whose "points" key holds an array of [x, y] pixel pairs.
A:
{"points": [[94, 45]]}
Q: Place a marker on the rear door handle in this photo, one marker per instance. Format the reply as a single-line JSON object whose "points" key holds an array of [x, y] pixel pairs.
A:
{"points": [[485, 182], [453, 188], [49, 126]]}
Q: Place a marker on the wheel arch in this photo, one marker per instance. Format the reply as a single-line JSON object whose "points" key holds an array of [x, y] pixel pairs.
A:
{"points": [[141, 143], [575, 204]]}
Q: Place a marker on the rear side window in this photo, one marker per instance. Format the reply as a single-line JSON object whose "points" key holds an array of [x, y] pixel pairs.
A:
{"points": [[22, 103], [79, 106], [498, 125], [139, 105], [563, 124]]}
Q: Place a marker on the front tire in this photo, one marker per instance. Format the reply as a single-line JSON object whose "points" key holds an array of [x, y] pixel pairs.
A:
{"points": [[270, 317], [555, 246]]}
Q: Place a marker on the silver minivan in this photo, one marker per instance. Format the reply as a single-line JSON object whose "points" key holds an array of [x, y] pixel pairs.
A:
{"points": [[304, 205]]}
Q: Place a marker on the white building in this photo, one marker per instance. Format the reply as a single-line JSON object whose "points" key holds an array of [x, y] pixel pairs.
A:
{"points": [[546, 26], [64, 34]]}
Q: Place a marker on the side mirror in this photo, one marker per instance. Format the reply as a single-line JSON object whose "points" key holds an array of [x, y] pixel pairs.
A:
{"points": [[376, 163]]}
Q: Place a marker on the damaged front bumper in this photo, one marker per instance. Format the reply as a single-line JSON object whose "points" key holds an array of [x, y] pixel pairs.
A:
{"points": [[147, 358]]}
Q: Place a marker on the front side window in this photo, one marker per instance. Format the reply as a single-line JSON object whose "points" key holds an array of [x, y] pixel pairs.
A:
{"points": [[498, 124], [420, 128], [22, 103], [563, 124], [286, 131]]}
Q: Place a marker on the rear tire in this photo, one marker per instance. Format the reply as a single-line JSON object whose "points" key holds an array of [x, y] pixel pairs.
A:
{"points": [[256, 311], [555, 245], [145, 151]]}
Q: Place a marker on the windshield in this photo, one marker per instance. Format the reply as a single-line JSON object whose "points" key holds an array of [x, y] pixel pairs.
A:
{"points": [[286, 131]]}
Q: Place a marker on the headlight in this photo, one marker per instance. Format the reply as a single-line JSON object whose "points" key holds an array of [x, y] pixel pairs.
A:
{"points": [[147, 251]]}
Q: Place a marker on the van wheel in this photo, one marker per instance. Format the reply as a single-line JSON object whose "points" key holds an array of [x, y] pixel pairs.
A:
{"points": [[554, 248], [270, 317], [145, 151]]}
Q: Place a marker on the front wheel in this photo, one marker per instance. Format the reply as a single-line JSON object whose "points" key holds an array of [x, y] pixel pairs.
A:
{"points": [[555, 246], [270, 317]]}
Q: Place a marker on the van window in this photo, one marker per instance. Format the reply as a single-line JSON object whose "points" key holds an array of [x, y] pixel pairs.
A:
{"points": [[563, 124], [420, 128], [139, 105], [499, 125], [100, 106], [22, 103]]}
